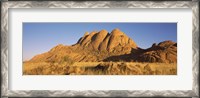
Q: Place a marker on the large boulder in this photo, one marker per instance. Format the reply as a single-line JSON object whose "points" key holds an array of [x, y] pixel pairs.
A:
{"points": [[118, 38], [103, 41], [164, 52], [98, 39]]}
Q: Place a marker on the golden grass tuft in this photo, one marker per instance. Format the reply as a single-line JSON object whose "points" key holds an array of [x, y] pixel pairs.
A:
{"points": [[99, 68]]}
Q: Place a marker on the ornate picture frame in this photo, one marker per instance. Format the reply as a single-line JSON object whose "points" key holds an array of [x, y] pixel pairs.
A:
{"points": [[6, 5]]}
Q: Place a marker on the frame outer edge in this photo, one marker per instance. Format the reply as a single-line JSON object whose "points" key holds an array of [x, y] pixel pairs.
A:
{"points": [[107, 4], [4, 49], [195, 47]]}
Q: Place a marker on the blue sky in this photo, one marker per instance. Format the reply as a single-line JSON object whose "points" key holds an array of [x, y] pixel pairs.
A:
{"points": [[41, 37]]}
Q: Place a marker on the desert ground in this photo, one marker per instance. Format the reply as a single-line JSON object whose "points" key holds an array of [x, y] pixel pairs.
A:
{"points": [[99, 68]]}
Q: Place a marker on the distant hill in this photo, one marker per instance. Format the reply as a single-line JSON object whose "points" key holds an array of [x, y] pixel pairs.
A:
{"points": [[105, 46]]}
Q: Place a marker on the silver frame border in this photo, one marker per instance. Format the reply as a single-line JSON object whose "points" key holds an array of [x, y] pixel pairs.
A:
{"points": [[99, 4]]}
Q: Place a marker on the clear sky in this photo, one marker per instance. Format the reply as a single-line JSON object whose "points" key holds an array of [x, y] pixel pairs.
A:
{"points": [[41, 37]]}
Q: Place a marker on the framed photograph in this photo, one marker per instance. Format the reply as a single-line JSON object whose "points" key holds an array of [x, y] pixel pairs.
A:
{"points": [[100, 48]]}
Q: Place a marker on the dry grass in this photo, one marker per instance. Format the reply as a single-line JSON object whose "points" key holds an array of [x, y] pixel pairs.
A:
{"points": [[86, 64], [99, 68]]}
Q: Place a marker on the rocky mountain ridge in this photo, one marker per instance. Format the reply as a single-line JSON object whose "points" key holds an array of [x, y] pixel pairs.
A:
{"points": [[105, 46]]}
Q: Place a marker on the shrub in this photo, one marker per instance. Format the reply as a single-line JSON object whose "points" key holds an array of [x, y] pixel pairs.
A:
{"points": [[67, 59]]}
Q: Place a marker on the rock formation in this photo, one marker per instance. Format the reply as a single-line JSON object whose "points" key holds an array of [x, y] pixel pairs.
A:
{"points": [[103, 41], [164, 52], [105, 46]]}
